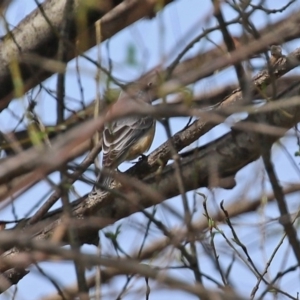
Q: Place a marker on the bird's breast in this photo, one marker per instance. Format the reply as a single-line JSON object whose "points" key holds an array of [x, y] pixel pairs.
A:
{"points": [[142, 145]]}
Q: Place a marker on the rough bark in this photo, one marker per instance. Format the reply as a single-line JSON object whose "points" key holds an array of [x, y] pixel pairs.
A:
{"points": [[39, 36]]}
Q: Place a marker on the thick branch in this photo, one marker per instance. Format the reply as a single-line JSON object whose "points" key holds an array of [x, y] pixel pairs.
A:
{"points": [[36, 39], [39, 35], [226, 156], [202, 126]]}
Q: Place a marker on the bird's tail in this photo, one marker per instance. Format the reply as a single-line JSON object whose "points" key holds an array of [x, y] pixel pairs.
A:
{"points": [[103, 183], [101, 187]]}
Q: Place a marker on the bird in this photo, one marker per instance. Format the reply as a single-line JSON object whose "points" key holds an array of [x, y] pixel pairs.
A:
{"points": [[126, 138], [276, 55]]}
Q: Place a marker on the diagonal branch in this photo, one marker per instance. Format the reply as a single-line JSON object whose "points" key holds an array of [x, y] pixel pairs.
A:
{"points": [[227, 155], [201, 126], [39, 34], [28, 39]]}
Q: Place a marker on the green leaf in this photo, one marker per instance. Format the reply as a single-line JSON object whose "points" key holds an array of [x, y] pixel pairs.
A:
{"points": [[297, 153], [211, 223], [131, 55]]}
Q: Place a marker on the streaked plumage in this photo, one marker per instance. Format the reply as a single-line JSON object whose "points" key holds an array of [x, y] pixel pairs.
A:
{"points": [[126, 138]]}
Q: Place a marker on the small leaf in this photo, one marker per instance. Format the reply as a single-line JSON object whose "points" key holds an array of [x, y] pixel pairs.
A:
{"points": [[131, 55], [211, 223], [111, 95], [297, 153]]}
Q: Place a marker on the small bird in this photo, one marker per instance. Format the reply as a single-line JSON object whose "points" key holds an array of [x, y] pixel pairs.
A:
{"points": [[126, 138], [276, 55], [276, 60]]}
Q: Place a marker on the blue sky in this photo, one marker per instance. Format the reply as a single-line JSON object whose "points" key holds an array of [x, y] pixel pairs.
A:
{"points": [[153, 40]]}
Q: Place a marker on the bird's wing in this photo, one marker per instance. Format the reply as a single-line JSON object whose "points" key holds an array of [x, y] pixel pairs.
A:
{"points": [[120, 135]]}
